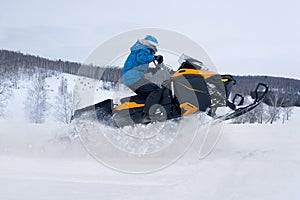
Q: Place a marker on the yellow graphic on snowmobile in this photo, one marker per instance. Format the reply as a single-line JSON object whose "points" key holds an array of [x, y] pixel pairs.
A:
{"points": [[189, 88], [204, 73], [128, 105], [190, 108], [224, 80]]}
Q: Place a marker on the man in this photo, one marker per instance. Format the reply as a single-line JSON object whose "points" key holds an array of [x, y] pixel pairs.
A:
{"points": [[136, 66]]}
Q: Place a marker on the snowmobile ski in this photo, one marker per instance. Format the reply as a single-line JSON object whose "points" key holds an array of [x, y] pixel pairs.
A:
{"points": [[259, 97]]}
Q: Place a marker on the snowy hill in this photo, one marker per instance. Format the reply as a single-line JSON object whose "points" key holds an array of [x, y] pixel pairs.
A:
{"points": [[41, 161]]}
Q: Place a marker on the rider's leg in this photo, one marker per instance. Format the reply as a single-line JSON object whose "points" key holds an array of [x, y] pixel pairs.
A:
{"points": [[148, 91]]}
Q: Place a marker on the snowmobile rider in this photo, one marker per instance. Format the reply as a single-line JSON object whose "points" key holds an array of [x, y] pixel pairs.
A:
{"points": [[136, 66]]}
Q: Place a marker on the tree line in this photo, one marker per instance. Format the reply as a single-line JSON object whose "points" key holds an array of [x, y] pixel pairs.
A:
{"points": [[19, 63], [284, 92]]}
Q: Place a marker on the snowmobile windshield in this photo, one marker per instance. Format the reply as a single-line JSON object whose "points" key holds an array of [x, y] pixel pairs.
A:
{"points": [[187, 62]]}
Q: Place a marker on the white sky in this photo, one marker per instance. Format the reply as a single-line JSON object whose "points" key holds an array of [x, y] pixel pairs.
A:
{"points": [[242, 37]]}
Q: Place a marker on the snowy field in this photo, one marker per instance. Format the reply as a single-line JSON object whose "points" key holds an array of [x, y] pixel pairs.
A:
{"points": [[251, 161]]}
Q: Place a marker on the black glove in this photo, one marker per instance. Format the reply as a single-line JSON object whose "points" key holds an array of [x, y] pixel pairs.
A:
{"points": [[159, 59]]}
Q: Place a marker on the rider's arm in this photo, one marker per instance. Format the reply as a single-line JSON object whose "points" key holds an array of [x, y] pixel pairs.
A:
{"points": [[144, 56]]}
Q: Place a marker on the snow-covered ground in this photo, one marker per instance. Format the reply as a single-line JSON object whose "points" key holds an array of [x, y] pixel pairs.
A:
{"points": [[251, 161]]}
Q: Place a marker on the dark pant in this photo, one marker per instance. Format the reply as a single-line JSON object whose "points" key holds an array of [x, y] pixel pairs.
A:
{"points": [[148, 91]]}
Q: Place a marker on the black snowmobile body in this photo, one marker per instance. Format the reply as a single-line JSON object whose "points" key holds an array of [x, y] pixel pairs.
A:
{"points": [[190, 89]]}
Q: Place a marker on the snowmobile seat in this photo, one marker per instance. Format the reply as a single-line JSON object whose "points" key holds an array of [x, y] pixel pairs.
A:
{"points": [[135, 98]]}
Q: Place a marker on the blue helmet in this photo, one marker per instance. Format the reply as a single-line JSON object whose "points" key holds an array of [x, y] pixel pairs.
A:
{"points": [[151, 38], [150, 42]]}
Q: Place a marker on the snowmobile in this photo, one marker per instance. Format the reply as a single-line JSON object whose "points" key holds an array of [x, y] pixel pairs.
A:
{"points": [[191, 89]]}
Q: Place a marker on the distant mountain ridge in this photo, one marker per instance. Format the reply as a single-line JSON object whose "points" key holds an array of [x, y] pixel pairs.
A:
{"points": [[14, 61]]}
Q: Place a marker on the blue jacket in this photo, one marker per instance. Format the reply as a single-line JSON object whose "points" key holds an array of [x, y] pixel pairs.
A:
{"points": [[137, 63]]}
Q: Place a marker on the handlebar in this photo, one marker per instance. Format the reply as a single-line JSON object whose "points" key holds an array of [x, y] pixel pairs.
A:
{"points": [[163, 66]]}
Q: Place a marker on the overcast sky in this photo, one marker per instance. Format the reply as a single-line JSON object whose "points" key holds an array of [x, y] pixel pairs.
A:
{"points": [[241, 37]]}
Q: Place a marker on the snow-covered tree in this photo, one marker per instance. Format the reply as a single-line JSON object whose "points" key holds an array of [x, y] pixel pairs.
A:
{"points": [[64, 104], [36, 105], [3, 98], [276, 99], [5, 90], [286, 113]]}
